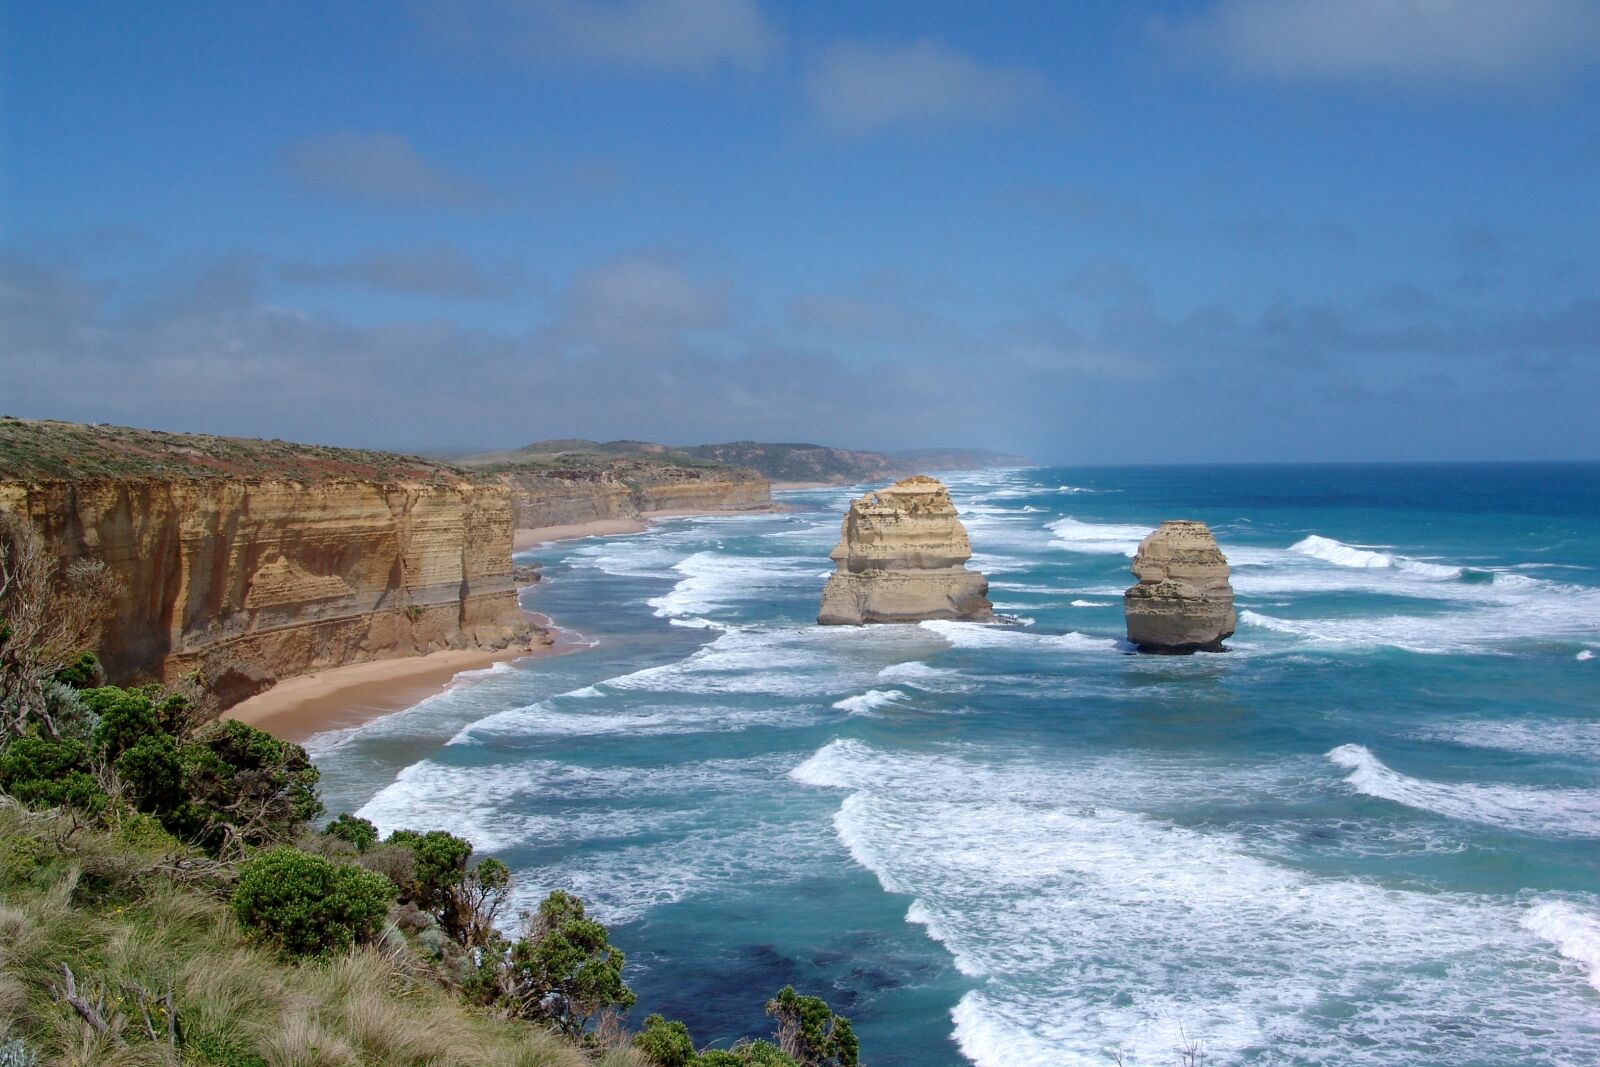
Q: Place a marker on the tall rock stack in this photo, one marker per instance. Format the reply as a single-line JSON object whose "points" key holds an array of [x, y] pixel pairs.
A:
{"points": [[902, 557], [1183, 602]]}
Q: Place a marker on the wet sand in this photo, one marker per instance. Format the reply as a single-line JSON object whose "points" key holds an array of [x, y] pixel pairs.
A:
{"points": [[296, 708]]}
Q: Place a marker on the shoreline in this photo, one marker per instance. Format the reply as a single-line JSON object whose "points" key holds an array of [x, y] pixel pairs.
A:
{"points": [[524, 539], [358, 693]]}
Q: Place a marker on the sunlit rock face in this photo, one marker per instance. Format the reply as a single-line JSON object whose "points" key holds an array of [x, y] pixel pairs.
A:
{"points": [[902, 557], [1183, 602]]}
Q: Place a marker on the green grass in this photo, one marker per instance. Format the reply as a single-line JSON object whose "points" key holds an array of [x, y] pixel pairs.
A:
{"points": [[45, 449], [124, 922]]}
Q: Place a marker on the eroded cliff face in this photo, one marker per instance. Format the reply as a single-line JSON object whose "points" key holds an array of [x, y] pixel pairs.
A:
{"points": [[560, 496], [254, 580], [1183, 601], [902, 557]]}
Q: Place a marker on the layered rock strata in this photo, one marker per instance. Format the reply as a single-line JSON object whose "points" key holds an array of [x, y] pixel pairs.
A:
{"points": [[902, 557], [253, 561], [581, 493], [1182, 602]]}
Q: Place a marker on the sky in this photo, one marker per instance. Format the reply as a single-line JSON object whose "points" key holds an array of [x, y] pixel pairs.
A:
{"points": [[1144, 232]]}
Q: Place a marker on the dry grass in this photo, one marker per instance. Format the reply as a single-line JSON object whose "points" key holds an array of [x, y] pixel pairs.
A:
{"points": [[127, 930]]}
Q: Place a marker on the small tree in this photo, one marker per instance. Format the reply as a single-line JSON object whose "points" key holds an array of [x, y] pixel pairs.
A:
{"points": [[307, 906], [810, 1032], [466, 900], [49, 613], [564, 970]]}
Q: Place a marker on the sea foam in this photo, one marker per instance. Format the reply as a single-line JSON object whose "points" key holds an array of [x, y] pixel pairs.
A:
{"points": [[1553, 812], [1094, 929]]}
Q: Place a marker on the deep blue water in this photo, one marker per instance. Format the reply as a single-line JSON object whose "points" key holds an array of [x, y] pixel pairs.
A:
{"points": [[1366, 835]]}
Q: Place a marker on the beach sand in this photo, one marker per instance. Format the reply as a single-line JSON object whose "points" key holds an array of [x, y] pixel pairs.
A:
{"points": [[341, 697], [296, 708], [524, 539]]}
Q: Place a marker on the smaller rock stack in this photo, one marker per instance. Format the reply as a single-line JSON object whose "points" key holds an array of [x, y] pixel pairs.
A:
{"points": [[1183, 602], [902, 557]]}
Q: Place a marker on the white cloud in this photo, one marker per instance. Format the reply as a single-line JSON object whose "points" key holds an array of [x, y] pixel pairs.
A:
{"points": [[857, 88], [1436, 43], [658, 36], [383, 167], [643, 303]]}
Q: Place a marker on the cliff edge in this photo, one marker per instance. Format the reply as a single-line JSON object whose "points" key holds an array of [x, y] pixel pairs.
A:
{"points": [[902, 557], [252, 561]]}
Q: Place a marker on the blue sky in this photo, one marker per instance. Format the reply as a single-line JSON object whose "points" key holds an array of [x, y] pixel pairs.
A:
{"points": [[1222, 230]]}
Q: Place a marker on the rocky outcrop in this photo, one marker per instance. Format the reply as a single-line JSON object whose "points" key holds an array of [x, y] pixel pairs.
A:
{"points": [[1183, 602], [902, 557], [253, 561]]}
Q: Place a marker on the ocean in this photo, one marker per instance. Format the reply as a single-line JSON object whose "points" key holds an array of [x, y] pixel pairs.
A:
{"points": [[1365, 835]]}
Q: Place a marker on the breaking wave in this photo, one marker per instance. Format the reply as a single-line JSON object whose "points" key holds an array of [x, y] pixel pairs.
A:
{"points": [[1553, 812]]}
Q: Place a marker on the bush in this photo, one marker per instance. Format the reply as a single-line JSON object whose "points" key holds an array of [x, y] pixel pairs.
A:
{"points": [[747, 1054], [126, 717], [564, 971], [84, 672], [465, 901], [51, 774], [244, 786], [810, 1032], [352, 830], [152, 772], [307, 906], [665, 1044]]}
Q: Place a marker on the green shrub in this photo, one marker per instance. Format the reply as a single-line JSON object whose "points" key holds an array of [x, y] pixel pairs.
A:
{"points": [[126, 716], [747, 1054], [665, 1044], [464, 900], [84, 672], [307, 906], [811, 1031], [51, 774], [564, 971], [243, 786], [353, 830], [152, 772]]}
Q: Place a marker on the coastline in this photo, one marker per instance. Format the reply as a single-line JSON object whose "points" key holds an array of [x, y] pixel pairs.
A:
{"points": [[341, 697], [524, 539]]}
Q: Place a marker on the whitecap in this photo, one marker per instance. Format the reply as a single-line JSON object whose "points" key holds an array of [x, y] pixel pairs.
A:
{"points": [[981, 635], [1343, 555], [1094, 537], [1554, 812], [870, 701], [1575, 933], [1093, 929]]}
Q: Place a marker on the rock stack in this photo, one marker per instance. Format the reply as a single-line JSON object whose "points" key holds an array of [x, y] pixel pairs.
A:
{"points": [[1183, 602], [902, 557]]}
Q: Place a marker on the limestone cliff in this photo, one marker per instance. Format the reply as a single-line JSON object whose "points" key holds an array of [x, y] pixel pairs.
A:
{"points": [[902, 557], [1183, 601], [256, 561], [578, 489]]}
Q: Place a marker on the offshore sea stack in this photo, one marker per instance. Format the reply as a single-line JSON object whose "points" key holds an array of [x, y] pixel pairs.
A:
{"points": [[1183, 602], [902, 557]]}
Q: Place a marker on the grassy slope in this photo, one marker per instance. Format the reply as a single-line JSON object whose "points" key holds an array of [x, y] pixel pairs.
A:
{"points": [[41, 450], [105, 907]]}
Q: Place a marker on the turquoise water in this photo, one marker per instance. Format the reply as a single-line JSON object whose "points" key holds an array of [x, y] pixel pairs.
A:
{"points": [[1366, 835]]}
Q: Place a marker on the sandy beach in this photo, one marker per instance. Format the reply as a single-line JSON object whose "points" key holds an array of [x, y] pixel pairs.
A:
{"points": [[524, 539], [296, 708]]}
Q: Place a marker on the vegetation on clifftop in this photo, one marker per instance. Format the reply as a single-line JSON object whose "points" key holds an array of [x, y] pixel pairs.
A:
{"points": [[47, 450]]}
